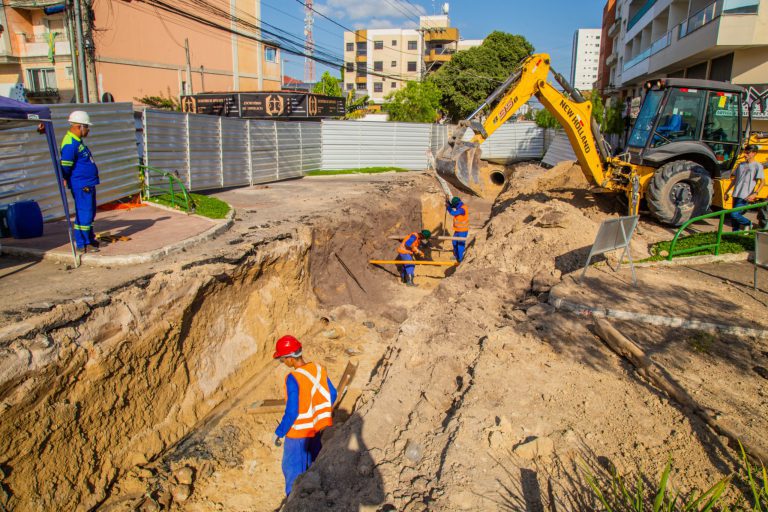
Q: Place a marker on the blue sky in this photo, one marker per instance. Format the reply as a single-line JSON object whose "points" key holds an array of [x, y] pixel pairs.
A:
{"points": [[547, 24]]}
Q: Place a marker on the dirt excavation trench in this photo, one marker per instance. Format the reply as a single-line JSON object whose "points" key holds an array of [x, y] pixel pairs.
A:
{"points": [[471, 393]]}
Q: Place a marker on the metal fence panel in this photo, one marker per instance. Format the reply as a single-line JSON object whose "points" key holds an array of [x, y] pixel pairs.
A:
{"points": [[311, 147], [26, 171], [234, 150], [354, 144], [204, 152], [514, 142], [263, 151], [559, 151], [438, 138], [165, 143], [289, 149]]}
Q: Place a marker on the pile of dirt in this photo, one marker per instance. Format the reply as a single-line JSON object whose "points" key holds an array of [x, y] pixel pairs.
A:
{"points": [[487, 398]]}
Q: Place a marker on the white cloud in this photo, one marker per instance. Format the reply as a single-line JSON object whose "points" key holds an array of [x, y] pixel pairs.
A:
{"points": [[367, 10]]}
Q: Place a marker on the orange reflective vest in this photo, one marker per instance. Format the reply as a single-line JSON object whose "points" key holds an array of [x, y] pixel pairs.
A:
{"points": [[315, 408], [414, 249], [461, 222]]}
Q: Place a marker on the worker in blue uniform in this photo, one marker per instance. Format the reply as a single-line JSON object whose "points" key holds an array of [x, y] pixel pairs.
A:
{"points": [[460, 213], [409, 247], [309, 400], [81, 176]]}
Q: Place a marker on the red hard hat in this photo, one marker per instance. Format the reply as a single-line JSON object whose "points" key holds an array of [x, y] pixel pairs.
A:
{"points": [[286, 346]]}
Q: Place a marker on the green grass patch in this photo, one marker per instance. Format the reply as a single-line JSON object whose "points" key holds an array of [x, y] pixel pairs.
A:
{"points": [[731, 243], [206, 206], [361, 170]]}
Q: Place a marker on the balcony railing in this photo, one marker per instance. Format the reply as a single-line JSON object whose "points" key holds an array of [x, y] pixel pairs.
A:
{"points": [[640, 57], [741, 6], [44, 38], [439, 51], [639, 14], [714, 11], [614, 28], [661, 43]]}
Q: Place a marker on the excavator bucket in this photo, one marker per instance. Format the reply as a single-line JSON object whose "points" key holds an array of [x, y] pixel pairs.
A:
{"points": [[458, 162]]}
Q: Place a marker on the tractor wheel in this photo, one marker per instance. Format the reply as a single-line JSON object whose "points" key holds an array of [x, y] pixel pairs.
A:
{"points": [[679, 191], [762, 217]]}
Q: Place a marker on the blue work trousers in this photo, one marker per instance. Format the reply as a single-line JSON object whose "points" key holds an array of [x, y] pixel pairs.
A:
{"points": [[406, 270], [85, 213], [738, 220], [298, 455], [459, 247]]}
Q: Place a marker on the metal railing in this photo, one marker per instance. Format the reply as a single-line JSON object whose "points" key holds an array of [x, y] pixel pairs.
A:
{"points": [[149, 190], [716, 245], [640, 13]]}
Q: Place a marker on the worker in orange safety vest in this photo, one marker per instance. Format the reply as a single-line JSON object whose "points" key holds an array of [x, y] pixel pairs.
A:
{"points": [[308, 409], [460, 213], [408, 248]]}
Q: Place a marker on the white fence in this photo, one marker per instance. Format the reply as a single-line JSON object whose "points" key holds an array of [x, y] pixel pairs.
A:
{"points": [[26, 171], [209, 152]]}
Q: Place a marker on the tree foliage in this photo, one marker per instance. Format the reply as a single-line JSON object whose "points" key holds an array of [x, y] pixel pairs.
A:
{"points": [[545, 119], [417, 102], [472, 75], [328, 86], [161, 102], [355, 107]]}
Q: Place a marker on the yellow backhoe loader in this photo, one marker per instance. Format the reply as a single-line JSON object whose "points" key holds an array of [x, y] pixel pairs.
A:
{"points": [[687, 139]]}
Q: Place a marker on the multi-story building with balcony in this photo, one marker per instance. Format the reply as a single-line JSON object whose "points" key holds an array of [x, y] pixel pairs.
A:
{"points": [[604, 83], [380, 61], [139, 51], [35, 51], [585, 58], [724, 40]]}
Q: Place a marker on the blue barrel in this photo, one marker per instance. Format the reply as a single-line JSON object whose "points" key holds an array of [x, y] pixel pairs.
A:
{"points": [[25, 220]]}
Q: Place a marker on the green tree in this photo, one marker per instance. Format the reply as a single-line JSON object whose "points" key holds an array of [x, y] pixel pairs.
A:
{"points": [[328, 86], [417, 102], [161, 102], [471, 75], [355, 107], [545, 119], [598, 109]]}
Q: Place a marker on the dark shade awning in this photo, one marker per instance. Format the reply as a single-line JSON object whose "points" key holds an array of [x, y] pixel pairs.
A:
{"points": [[18, 111]]}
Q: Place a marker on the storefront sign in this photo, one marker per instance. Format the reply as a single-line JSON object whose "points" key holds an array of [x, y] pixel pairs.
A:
{"points": [[264, 105]]}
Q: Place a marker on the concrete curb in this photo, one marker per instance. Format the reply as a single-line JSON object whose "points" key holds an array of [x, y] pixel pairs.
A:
{"points": [[698, 260], [96, 260], [562, 304]]}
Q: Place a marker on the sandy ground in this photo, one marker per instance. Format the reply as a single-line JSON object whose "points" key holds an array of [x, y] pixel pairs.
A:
{"points": [[472, 393]]}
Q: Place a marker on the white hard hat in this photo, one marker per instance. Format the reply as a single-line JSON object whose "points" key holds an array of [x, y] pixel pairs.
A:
{"points": [[79, 117]]}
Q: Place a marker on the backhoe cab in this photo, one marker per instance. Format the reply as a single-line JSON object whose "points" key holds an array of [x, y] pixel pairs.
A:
{"points": [[687, 139]]}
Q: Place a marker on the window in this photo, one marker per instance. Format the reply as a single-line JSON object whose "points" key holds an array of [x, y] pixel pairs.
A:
{"points": [[412, 66], [681, 117], [378, 65], [394, 42], [378, 45], [412, 45], [722, 126], [350, 66], [41, 79], [378, 87], [362, 49], [361, 87], [394, 63], [394, 85], [645, 118], [270, 54], [350, 47], [350, 87]]}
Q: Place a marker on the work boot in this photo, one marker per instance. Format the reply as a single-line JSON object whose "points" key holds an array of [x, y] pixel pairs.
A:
{"points": [[410, 281]]}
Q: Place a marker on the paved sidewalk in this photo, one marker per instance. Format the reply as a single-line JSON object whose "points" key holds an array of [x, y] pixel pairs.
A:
{"points": [[152, 232]]}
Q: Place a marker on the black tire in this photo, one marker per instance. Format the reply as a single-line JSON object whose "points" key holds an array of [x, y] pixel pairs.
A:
{"points": [[679, 191], [762, 217]]}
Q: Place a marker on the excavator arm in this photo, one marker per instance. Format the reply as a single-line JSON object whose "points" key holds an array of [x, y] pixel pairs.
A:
{"points": [[459, 161]]}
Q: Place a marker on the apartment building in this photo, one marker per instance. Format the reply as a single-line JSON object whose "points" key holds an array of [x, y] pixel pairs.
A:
{"points": [[724, 40], [585, 58], [138, 51], [380, 61], [606, 48]]}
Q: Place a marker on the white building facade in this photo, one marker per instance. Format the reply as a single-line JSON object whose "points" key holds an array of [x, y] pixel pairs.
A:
{"points": [[585, 58]]}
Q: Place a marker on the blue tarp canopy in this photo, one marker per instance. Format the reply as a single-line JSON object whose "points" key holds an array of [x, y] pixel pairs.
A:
{"points": [[14, 113], [17, 111]]}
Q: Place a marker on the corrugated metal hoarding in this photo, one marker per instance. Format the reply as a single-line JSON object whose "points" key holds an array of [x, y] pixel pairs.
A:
{"points": [[513, 142], [234, 152], [560, 150], [355, 144], [26, 171], [264, 163], [167, 132], [311, 143], [204, 148], [289, 149]]}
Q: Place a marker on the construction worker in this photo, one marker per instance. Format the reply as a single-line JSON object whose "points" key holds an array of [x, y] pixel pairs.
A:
{"points": [[460, 214], [408, 248], [746, 182], [81, 176], [308, 409]]}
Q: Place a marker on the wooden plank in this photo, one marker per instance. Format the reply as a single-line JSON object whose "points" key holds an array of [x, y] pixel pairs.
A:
{"points": [[344, 382], [414, 262]]}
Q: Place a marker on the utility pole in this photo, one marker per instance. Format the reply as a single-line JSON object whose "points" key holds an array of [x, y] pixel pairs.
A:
{"points": [[80, 52], [189, 68], [73, 52], [90, 52]]}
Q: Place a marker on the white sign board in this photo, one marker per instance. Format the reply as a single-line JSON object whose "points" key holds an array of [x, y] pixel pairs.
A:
{"points": [[614, 234]]}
